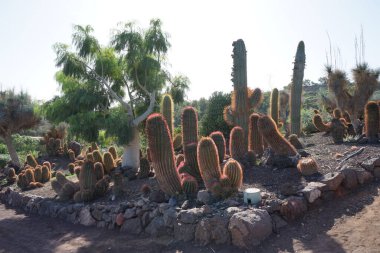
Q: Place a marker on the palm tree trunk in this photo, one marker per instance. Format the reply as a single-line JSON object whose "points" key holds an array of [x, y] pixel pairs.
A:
{"points": [[12, 150], [131, 155]]}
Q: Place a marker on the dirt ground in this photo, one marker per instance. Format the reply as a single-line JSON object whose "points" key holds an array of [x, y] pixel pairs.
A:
{"points": [[348, 224]]}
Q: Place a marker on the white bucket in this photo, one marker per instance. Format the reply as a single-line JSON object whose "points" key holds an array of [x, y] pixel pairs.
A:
{"points": [[252, 196]]}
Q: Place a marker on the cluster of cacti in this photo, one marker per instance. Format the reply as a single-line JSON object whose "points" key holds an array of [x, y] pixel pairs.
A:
{"points": [[293, 139], [237, 143], [243, 100], [307, 166], [296, 90], [220, 143], [274, 110], [255, 139], [219, 183], [53, 140], [273, 137], [189, 120], [162, 154], [33, 175], [167, 111], [371, 118]]}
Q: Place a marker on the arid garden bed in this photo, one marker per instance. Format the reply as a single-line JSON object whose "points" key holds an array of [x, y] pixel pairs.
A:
{"points": [[286, 195]]}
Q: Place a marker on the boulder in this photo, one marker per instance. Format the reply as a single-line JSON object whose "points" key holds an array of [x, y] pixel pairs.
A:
{"points": [[85, 217], [311, 193], [370, 164], [156, 227], [204, 197], [376, 172], [350, 180], [277, 222], [170, 217], [332, 180], [363, 176], [212, 230], [184, 232], [250, 227], [132, 226], [130, 213], [190, 216]]}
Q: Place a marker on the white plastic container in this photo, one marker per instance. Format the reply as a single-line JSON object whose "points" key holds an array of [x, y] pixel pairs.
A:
{"points": [[252, 196]]}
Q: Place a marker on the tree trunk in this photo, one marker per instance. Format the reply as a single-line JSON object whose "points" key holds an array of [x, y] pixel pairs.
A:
{"points": [[11, 150], [131, 155]]}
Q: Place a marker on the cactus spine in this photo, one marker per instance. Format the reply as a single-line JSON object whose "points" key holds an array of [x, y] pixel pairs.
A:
{"points": [[296, 90], [371, 118], [273, 137], [220, 143], [167, 110], [237, 143], [255, 139], [242, 99], [274, 111], [162, 154]]}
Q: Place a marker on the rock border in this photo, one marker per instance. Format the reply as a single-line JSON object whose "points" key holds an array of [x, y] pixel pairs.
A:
{"points": [[229, 222]]}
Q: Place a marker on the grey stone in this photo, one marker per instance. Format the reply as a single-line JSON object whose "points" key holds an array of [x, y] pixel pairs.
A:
{"points": [[288, 189], [130, 213], [75, 146], [231, 202], [363, 176], [156, 227], [232, 210], [213, 230], [370, 164], [204, 197], [278, 222], [85, 217], [145, 219], [97, 214], [332, 180], [250, 227], [185, 205], [273, 205], [311, 192], [184, 232], [206, 209], [376, 172], [190, 216], [72, 218], [170, 217], [157, 196], [132, 226], [350, 180], [140, 203], [162, 207], [106, 217]]}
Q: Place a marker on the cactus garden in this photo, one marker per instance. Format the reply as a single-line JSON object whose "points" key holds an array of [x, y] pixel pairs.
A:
{"points": [[123, 147]]}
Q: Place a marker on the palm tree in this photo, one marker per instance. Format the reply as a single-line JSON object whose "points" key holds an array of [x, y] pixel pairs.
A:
{"points": [[16, 114]]}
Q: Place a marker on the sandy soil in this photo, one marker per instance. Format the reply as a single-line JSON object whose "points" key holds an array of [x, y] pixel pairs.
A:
{"points": [[349, 224]]}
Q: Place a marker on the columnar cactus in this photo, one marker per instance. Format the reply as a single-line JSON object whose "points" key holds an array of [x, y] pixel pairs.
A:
{"points": [[87, 176], [273, 137], [97, 156], [98, 170], [190, 152], [177, 142], [338, 131], [296, 90], [318, 123], [71, 168], [31, 161], [94, 147], [38, 174], [274, 110], [255, 140], [167, 110], [109, 163], [220, 143], [237, 143], [242, 99], [162, 154], [208, 161], [234, 172], [113, 152], [371, 118], [144, 170], [189, 122], [90, 157]]}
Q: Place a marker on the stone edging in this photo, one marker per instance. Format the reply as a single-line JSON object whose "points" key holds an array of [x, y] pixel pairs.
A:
{"points": [[234, 223]]}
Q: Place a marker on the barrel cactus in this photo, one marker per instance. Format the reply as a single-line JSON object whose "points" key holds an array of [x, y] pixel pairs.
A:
{"points": [[162, 154], [307, 166], [31, 161], [237, 143], [97, 156], [293, 139], [113, 152], [371, 118], [320, 125], [109, 163], [255, 140], [189, 185], [338, 131], [234, 172], [296, 90]]}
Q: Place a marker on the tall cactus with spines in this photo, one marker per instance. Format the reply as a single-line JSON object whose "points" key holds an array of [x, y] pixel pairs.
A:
{"points": [[237, 143], [234, 172], [162, 154], [296, 90], [189, 185], [38, 174], [273, 137], [45, 174], [208, 161], [274, 110], [109, 163], [167, 110], [243, 100], [220, 143], [31, 160], [189, 120], [29, 174], [94, 147], [190, 153], [255, 139], [90, 157], [113, 152], [98, 170], [371, 117]]}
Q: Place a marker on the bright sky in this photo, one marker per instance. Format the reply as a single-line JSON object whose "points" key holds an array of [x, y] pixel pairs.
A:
{"points": [[201, 32]]}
